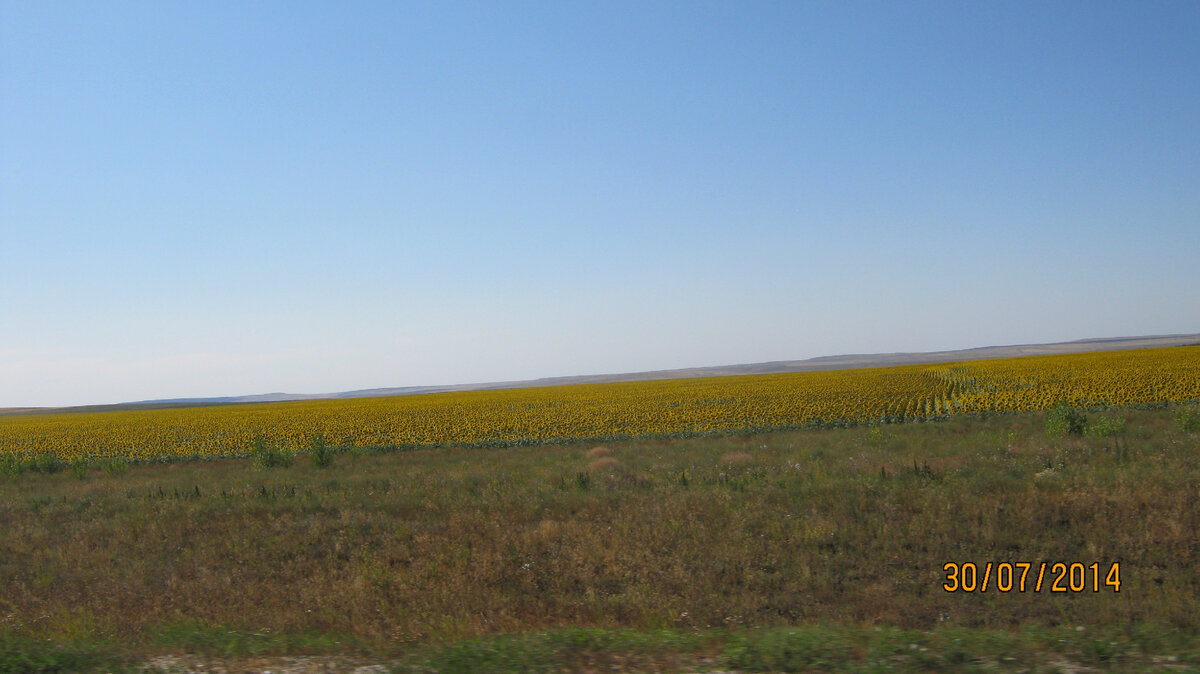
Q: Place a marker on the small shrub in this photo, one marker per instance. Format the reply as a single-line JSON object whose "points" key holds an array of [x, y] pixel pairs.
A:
{"points": [[1065, 420], [1188, 420], [321, 454], [11, 465], [1107, 427], [583, 481], [265, 456], [47, 463], [79, 468], [114, 466]]}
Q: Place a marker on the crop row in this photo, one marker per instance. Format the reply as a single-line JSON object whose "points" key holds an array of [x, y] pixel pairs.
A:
{"points": [[678, 406]]}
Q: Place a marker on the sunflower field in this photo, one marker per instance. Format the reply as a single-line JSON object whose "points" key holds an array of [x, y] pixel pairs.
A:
{"points": [[597, 411]]}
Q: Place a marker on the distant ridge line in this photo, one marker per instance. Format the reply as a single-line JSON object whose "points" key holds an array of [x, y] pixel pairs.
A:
{"points": [[845, 361]]}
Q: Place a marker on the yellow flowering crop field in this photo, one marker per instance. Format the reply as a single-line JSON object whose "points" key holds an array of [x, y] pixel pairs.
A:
{"points": [[596, 411]]}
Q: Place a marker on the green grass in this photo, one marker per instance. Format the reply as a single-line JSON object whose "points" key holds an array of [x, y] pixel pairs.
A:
{"points": [[30, 656], [1146, 647], [813, 548], [824, 648]]}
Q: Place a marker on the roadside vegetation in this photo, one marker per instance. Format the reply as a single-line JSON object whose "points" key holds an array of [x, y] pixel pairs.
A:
{"points": [[819, 548]]}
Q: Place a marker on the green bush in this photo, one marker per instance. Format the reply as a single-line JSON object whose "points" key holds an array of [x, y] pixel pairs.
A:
{"points": [[321, 454], [79, 468], [47, 463], [265, 456], [1107, 426], [114, 466], [11, 465], [1188, 420], [1065, 420]]}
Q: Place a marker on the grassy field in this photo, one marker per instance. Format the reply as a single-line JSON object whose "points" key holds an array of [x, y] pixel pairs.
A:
{"points": [[811, 548]]}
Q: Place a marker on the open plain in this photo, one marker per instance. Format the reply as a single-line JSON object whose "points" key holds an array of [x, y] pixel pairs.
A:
{"points": [[747, 548]]}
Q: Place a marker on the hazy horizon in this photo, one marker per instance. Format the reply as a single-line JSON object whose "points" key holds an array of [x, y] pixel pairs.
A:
{"points": [[712, 369], [229, 199]]}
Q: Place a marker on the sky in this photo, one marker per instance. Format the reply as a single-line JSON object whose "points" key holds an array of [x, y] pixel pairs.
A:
{"points": [[229, 198]]}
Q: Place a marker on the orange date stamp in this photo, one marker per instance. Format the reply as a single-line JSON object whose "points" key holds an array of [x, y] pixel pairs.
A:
{"points": [[1031, 577]]}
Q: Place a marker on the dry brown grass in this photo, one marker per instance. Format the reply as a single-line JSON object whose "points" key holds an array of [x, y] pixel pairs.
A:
{"points": [[603, 463], [597, 452], [737, 458], [545, 531], [823, 525]]}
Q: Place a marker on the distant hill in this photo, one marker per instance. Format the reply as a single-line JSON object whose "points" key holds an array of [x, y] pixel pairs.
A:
{"points": [[843, 362], [847, 361]]}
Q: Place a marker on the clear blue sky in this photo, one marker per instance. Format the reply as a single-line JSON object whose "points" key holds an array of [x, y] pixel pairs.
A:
{"points": [[222, 198]]}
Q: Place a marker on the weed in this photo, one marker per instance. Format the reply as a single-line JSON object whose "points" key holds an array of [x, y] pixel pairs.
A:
{"points": [[492, 655], [1101, 652], [320, 454], [264, 456], [47, 463], [11, 465], [1107, 426], [1063, 419], [788, 650], [1188, 420], [114, 467], [29, 656]]}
